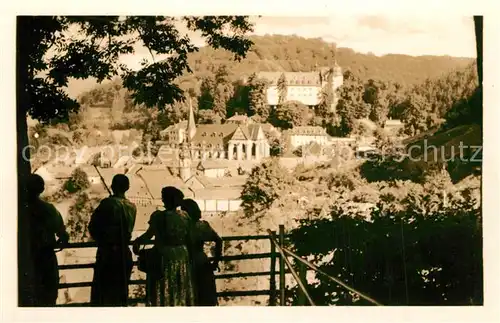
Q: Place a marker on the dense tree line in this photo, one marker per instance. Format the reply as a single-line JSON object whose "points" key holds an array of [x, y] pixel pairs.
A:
{"points": [[419, 244], [421, 241], [418, 90], [421, 107], [296, 54]]}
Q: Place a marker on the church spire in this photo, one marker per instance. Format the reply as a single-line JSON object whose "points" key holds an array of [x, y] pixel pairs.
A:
{"points": [[191, 126]]}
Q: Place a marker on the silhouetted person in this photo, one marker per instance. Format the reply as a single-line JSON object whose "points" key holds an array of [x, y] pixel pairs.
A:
{"points": [[45, 224], [172, 229], [206, 289], [111, 226]]}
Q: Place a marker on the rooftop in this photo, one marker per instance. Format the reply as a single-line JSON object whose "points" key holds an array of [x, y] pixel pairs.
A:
{"points": [[214, 135], [307, 130], [234, 181], [393, 122], [157, 179], [292, 78], [215, 164], [239, 119], [218, 194]]}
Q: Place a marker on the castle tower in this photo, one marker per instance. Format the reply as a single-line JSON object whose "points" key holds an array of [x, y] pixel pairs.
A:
{"points": [[338, 81], [191, 126], [338, 76]]}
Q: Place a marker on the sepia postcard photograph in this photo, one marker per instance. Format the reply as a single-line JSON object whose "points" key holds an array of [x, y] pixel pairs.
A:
{"points": [[258, 160]]}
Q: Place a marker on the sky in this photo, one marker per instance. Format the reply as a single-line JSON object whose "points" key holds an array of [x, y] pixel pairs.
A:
{"points": [[378, 34]]}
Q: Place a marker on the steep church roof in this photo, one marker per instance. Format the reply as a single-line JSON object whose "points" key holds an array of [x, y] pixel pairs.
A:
{"points": [[214, 135]]}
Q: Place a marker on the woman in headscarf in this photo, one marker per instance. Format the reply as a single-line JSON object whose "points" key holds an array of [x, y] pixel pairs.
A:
{"points": [[172, 231], [206, 290]]}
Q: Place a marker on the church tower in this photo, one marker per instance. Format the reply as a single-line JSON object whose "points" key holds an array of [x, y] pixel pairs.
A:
{"points": [[191, 126], [185, 161]]}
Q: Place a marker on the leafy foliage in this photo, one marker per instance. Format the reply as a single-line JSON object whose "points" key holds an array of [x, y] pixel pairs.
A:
{"points": [[264, 185], [257, 100], [77, 182], [428, 253], [295, 54], [96, 46], [393, 167], [277, 145], [290, 114], [224, 90], [282, 89], [79, 216]]}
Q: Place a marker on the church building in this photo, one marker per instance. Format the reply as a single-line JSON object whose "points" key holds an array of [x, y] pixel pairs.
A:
{"points": [[229, 141]]}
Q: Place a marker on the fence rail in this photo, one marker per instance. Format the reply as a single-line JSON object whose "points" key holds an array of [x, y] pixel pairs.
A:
{"points": [[271, 292], [278, 253]]}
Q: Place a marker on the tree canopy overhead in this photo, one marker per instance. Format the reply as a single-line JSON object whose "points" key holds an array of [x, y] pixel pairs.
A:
{"points": [[53, 49], [58, 48]]}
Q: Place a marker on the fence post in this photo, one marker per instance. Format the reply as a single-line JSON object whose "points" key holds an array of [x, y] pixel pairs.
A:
{"points": [[272, 282], [282, 265], [302, 271]]}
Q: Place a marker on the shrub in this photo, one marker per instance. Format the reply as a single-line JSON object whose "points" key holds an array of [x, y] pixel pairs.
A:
{"points": [[79, 216], [422, 254], [77, 182]]}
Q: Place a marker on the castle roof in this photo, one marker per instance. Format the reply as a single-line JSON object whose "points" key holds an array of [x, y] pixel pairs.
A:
{"points": [[292, 78]]}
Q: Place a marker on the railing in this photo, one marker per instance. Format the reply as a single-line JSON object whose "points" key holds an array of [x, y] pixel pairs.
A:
{"points": [[271, 292], [301, 278], [277, 250]]}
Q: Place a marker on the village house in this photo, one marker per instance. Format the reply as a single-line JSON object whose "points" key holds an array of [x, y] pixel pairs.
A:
{"points": [[92, 174], [305, 87], [175, 133], [393, 126], [57, 172], [214, 200], [239, 119], [304, 135], [214, 168], [342, 141], [86, 155], [210, 197]]}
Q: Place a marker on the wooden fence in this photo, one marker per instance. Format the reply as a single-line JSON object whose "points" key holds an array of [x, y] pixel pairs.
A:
{"points": [[277, 253], [273, 255]]}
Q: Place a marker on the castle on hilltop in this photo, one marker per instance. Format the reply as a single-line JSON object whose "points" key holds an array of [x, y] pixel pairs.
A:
{"points": [[305, 87]]}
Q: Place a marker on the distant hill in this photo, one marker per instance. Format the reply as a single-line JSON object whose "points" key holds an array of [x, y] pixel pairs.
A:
{"points": [[294, 53]]}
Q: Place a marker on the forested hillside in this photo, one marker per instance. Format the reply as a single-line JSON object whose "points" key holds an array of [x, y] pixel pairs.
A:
{"points": [[294, 54], [419, 90]]}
